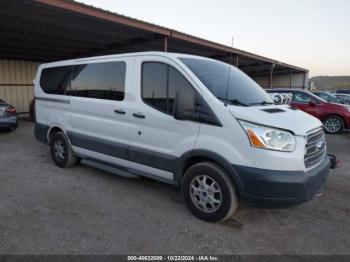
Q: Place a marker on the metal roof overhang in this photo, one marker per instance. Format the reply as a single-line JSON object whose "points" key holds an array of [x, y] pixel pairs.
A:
{"points": [[49, 30]]}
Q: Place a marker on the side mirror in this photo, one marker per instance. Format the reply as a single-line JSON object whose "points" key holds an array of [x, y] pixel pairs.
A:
{"points": [[312, 103], [184, 105]]}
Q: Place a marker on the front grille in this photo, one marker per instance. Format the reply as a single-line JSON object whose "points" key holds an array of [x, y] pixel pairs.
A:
{"points": [[315, 149]]}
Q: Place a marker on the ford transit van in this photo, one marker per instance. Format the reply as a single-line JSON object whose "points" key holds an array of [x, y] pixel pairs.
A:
{"points": [[186, 120]]}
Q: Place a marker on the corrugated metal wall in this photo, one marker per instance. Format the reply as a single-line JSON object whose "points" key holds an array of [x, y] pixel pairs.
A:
{"points": [[298, 80], [16, 83]]}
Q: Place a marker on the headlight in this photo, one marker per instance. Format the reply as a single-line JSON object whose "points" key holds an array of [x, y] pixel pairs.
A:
{"points": [[268, 138]]}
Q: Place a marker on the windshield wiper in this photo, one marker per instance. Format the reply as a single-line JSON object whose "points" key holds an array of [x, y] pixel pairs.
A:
{"points": [[263, 103], [233, 101]]}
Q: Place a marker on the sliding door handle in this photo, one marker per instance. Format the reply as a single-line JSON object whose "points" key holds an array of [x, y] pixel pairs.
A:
{"points": [[138, 115], [119, 111]]}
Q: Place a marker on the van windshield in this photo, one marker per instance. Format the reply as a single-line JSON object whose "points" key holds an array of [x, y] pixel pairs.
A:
{"points": [[228, 83]]}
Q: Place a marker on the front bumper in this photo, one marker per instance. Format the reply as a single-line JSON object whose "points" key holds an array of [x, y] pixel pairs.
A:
{"points": [[277, 189], [8, 121]]}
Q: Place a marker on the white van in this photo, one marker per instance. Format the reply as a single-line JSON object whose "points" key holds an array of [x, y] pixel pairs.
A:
{"points": [[185, 120]]}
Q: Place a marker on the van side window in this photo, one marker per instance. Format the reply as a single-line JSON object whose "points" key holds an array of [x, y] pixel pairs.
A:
{"points": [[55, 80], [160, 82], [99, 80], [154, 85], [176, 83]]}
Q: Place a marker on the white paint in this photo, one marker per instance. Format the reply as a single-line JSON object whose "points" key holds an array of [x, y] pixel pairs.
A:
{"points": [[164, 134]]}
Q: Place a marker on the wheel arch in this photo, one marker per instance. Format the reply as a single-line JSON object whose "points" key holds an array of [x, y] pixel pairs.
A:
{"points": [[52, 130], [345, 122], [188, 159], [334, 114]]}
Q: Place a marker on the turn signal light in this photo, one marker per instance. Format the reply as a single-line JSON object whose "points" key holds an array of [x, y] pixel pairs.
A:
{"points": [[254, 139]]}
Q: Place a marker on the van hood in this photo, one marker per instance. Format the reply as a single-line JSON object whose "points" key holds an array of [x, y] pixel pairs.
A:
{"points": [[279, 116]]}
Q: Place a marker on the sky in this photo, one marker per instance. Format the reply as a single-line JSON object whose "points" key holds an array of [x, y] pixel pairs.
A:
{"points": [[313, 34]]}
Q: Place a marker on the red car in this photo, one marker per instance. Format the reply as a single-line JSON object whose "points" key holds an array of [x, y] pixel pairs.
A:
{"points": [[335, 117]]}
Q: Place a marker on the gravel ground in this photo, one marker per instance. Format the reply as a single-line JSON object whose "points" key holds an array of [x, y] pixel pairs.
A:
{"points": [[81, 210]]}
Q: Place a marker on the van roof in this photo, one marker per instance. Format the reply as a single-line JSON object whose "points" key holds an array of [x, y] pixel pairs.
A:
{"points": [[85, 59]]}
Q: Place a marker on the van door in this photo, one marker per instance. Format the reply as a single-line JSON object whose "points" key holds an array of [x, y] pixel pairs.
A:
{"points": [[98, 126], [157, 138]]}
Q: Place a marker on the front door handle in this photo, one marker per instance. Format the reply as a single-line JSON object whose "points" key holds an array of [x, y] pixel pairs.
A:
{"points": [[138, 115], [119, 111]]}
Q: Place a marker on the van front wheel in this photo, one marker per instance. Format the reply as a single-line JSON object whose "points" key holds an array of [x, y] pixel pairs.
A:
{"points": [[209, 192], [61, 151]]}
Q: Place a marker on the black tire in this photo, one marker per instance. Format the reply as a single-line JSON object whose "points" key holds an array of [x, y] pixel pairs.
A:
{"points": [[336, 127], [32, 110], [66, 157], [213, 172]]}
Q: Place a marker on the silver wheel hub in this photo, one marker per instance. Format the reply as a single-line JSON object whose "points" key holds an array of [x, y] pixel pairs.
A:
{"points": [[206, 193], [60, 152], [332, 125]]}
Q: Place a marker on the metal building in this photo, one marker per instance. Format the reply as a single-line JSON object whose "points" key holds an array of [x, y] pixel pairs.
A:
{"points": [[36, 31]]}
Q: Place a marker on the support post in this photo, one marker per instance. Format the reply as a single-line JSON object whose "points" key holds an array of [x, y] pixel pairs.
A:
{"points": [[290, 78], [271, 75], [237, 61], [165, 44]]}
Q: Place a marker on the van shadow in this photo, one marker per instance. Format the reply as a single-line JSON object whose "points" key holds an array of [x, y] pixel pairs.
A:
{"points": [[5, 130], [172, 193]]}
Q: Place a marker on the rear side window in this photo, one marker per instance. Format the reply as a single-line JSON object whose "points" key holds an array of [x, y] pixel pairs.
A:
{"points": [[160, 82], [300, 98], [99, 80], [324, 96], [56, 80]]}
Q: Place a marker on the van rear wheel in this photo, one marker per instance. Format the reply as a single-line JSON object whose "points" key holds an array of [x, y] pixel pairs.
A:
{"points": [[208, 192], [61, 151]]}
